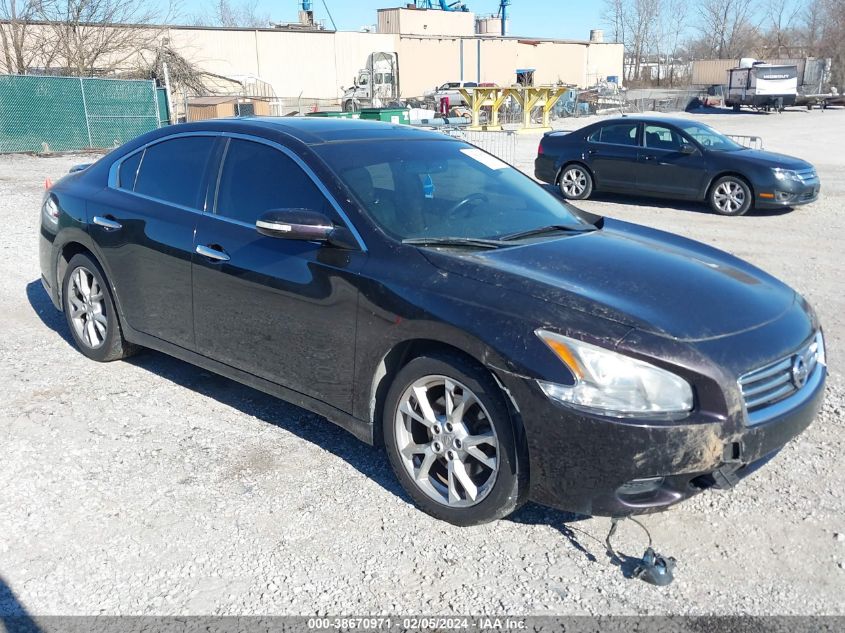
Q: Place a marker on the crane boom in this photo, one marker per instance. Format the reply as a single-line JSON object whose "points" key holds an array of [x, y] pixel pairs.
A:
{"points": [[503, 15]]}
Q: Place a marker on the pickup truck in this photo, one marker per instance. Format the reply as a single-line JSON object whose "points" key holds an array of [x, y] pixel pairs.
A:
{"points": [[450, 89]]}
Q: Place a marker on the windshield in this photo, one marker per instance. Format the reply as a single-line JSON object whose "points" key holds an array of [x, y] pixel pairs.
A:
{"points": [[710, 138], [438, 189]]}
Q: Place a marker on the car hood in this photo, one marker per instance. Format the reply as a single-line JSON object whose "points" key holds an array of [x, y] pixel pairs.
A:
{"points": [[654, 281], [770, 159]]}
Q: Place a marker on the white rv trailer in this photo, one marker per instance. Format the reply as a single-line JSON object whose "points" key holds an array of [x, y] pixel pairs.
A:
{"points": [[760, 85]]}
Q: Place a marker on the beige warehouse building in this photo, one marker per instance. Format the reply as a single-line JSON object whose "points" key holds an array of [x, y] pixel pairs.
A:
{"points": [[433, 47], [305, 63]]}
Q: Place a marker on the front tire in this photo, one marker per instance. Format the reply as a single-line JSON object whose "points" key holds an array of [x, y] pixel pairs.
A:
{"points": [[90, 313], [575, 182], [450, 441], [730, 195]]}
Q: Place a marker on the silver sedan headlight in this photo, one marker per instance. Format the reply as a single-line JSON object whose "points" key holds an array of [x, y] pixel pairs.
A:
{"points": [[613, 384]]}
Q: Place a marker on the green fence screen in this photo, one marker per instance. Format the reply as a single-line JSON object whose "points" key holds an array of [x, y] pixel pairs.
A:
{"points": [[71, 113]]}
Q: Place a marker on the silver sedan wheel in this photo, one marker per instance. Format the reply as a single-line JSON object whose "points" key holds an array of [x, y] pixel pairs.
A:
{"points": [[729, 196], [447, 441], [573, 182], [87, 308]]}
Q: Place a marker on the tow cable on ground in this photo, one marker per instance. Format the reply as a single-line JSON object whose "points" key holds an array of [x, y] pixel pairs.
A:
{"points": [[653, 568]]}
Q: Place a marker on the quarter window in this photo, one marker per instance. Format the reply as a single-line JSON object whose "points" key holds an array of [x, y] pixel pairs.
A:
{"points": [[129, 170], [257, 178], [173, 171]]}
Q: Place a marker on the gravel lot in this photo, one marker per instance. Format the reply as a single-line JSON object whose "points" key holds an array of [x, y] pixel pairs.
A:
{"points": [[153, 487]]}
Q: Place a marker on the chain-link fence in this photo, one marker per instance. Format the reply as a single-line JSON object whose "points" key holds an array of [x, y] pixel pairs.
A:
{"points": [[655, 100], [286, 106], [39, 113]]}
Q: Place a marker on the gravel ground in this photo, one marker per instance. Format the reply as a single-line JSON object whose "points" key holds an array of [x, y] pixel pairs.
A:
{"points": [[153, 487]]}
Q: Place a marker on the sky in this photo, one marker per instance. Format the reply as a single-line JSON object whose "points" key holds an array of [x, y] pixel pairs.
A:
{"points": [[530, 18]]}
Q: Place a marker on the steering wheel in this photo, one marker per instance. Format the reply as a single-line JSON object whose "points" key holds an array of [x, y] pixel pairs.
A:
{"points": [[471, 199]]}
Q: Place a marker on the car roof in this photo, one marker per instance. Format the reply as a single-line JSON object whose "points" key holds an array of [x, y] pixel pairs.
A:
{"points": [[676, 121], [316, 130]]}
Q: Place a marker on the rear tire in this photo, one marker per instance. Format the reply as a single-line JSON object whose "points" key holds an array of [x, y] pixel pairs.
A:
{"points": [[451, 442], [730, 195], [90, 313], [575, 182]]}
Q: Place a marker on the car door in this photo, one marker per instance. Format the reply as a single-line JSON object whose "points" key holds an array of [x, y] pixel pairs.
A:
{"points": [[670, 163], [283, 310], [613, 150], [144, 224]]}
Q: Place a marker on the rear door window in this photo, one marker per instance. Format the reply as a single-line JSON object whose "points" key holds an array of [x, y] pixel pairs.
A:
{"points": [[257, 178], [173, 171], [616, 134]]}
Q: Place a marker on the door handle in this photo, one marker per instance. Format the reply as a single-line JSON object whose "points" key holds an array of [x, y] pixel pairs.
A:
{"points": [[217, 254], [649, 157], [107, 222]]}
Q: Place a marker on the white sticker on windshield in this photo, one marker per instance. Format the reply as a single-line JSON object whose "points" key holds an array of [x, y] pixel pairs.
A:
{"points": [[485, 159]]}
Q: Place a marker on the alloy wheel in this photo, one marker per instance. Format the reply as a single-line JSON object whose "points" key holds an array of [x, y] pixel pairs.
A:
{"points": [[447, 441], [729, 197], [87, 308], [573, 182]]}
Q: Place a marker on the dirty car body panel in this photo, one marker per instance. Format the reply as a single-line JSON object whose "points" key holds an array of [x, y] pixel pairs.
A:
{"points": [[326, 325]]}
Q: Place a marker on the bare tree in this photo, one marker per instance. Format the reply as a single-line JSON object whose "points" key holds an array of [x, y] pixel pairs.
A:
{"points": [[727, 27], [23, 43], [97, 36], [780, 17], [226, 13], [613, 17], [183, 74], [674, 21], [643, 25], [634, 24], [810, 19], [830, 41]]}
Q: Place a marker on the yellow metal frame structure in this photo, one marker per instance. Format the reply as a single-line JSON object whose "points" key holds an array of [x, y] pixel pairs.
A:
{"points": [[528, 97]]}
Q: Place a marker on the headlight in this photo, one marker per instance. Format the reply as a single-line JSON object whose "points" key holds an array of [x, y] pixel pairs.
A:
{"points": [[613, 384], [818, 348], [786, 174], [51, 210]]}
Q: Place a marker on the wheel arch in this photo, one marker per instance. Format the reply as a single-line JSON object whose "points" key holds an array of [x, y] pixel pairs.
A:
{"points": [[403, 352], [80, 243], [580, 163], [64, 253], [735, 174]]}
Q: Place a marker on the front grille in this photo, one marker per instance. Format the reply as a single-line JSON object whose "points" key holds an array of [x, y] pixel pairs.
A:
{"points": [[774, 382], [809, 195]]}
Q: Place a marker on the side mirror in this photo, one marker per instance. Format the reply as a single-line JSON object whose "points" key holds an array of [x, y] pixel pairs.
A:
{"points": [[295, 224], [688, 149]]}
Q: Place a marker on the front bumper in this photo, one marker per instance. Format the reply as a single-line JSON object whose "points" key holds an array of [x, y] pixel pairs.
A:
{"points": [[602, 466], [782, 194]]}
